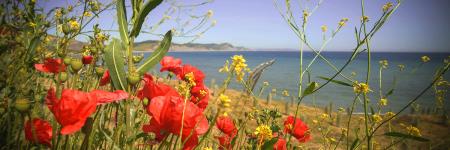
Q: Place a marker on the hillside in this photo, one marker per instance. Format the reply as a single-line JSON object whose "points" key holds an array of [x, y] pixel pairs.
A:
{"points": [[150, 45]]}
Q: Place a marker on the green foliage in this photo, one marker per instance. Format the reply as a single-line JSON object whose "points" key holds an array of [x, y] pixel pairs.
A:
{"points": [[157, 55], [116, 64], [406, 136]]}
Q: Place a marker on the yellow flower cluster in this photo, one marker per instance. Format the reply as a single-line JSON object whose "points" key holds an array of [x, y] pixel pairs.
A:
{"points": [[263, 132], [266, 83], [401, 67], [74, 24], [285, 93], [389, 114], [425, 59], [87, 14], [225, 103], [383, 102], [412, 130], [190, 78], [239, 65], [365, 18], [384, 63], [342, 22], [377, 118], [361, 87], [387, 6], [324, 28], [58, 13]]}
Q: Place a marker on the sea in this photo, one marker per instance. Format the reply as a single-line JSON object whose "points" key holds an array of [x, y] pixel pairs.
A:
{"points": [[284, 75]]}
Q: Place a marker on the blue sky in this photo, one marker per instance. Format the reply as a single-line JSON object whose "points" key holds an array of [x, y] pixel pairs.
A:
{"points": [[418, 25]]}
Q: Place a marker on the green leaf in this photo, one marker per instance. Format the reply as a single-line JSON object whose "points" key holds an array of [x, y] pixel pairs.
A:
{"points": [[310, 89], [122, 20], [149, 6], [32, 48], [390, 92], [269, 144], [115, 63], [406, 136], [336, 81], [157, 55], [355, 142]]}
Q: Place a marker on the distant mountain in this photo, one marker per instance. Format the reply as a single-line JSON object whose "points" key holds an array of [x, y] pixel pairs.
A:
{"points": [[151, 45]]}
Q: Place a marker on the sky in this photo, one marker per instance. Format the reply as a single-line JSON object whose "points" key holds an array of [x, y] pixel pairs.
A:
{"points": [[417, 25]]}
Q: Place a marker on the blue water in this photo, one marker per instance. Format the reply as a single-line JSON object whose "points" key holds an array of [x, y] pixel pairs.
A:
{"points": [[284, 74]]}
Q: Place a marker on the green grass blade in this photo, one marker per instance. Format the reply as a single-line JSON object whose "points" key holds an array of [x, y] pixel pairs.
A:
{"points": [[148, 6], [157, 55], [406, 136], [336, 81], [122, 20], [115, 63]]}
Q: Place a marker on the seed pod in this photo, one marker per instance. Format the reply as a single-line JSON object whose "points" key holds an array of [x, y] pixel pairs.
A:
{"points": [[133, 78], [145, 101], [63, 76], [76, 64], [99, 71], [66, 29], [67, 60], [22, 105]]}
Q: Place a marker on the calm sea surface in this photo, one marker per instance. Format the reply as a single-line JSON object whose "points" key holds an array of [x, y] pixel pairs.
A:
{"points": [[284, 74]]}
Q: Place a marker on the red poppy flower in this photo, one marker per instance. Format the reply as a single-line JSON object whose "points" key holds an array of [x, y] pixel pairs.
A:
{"points": [[169, 63], [106, 78], [198, 75], [226, 125], [300, 130], [87, 59], [74, 107], [225, 142], [200, 96], [167, 112], [51, 66], [42, 131], [152, 89], [280, 144]]}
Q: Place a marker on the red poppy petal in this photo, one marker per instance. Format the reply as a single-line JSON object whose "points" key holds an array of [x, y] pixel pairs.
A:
{"points": [[104, 97], [50, 99], [41, 68], [202, 125], [156, 107]]}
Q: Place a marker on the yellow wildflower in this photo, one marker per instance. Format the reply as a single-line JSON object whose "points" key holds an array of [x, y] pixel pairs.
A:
{"points": [[324, 116], [263, 132], [425, 59], [387, 6], [190, 78], [58, 13], [266, 83], [383, 101], [239, 65], [87, 14], [361, 87], [401, 67], [384, 63], [32, 24], [210, 13], [342, 22], [315, 121], [74, 24], [389, 114], [305, 15], [324, 28], [365, 18], [285, 93], [225, 103], [207, 148], [377, 118], [413, 130]]}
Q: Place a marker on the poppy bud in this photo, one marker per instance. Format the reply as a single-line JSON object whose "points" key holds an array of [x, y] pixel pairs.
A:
{"points": [[99, 71], [62, 76], [87, 59], [137, 59], [22, 105], [66, 29], [145, 101], [133, 78], [67, 60], [76, 64]]}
